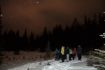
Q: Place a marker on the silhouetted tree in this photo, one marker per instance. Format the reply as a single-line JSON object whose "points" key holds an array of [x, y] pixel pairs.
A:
{"points": [[86, 34], [42, 40], [0, 38], [0, 33], [17, 43], [48, 49], [25, 41], [32, 46]]}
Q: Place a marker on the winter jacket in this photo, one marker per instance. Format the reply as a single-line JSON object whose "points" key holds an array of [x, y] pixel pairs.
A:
{"points": [[79, 50], [62, 50], [74, 50], [67, 50], [56, 51]]}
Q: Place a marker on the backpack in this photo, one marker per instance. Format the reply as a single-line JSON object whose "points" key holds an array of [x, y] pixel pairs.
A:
{"points": [[70, 51]]}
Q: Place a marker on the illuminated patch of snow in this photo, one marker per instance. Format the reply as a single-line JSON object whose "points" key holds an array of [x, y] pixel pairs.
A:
{"points": [[56, 65]]}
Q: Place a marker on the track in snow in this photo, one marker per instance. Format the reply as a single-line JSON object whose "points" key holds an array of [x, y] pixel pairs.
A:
{"points": [[56, 65]]}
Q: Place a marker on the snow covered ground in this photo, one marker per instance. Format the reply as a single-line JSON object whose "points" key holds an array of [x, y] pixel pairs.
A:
{"points": [[55, 65]]}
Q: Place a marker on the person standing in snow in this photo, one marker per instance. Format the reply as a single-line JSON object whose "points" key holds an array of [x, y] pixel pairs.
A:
{"points": [[57, 54], [70, 54], [79, 52], [62, 53], [74, 51], [67, 53]]}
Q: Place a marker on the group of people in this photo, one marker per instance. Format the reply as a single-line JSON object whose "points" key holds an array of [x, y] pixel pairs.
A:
{"points": [[66, 53]]}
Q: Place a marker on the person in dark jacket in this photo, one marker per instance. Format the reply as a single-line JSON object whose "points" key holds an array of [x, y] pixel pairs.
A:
{"points": [[57, 54], [79, 52], [74, 51], [67, 53], [70, 54]]}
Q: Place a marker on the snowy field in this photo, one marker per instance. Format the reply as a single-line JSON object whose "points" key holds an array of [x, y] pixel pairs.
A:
{"points": [[55, 65]]}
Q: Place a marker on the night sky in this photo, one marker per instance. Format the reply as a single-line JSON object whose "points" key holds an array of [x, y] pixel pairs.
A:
{"points": [[37, 14]]}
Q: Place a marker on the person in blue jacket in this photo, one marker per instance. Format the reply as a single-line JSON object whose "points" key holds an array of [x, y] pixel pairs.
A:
{"points": [[79, 52], [57, 54]]}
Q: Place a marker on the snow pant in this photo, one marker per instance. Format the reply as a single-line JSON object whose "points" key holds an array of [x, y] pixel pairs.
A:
{"points": [[63, 58], [70, 56], [57, 57], [73, 56], [60, 56], [79, 56], [67, 56]]}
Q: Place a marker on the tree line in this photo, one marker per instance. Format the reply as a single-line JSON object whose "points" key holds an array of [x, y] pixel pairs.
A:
{"points": [[86, 35]]}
